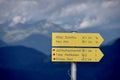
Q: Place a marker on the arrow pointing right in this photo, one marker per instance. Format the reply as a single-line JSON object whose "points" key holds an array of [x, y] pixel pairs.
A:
{"points": [[77, 39], [76, 54]]}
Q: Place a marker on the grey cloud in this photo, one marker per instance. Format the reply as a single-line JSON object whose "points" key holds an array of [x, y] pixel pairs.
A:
{"points": [[71, 14], [27, 8], [91, 13]]}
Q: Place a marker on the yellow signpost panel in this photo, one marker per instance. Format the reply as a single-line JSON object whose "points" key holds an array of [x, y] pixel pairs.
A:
{"points": [[76, 54], [77, 39]]}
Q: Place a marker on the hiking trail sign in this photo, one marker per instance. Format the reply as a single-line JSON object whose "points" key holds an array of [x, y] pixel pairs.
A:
{"points": [[77, 39], [76, 47]]}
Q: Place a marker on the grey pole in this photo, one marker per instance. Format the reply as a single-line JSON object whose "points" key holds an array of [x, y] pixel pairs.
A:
{"points": [[73, 69]]}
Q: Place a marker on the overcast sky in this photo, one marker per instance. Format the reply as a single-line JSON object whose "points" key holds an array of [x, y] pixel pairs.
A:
{"points": [[71, 14]]}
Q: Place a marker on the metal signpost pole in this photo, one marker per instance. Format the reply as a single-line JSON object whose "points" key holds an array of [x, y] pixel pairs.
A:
{"points": [[73, 69]]}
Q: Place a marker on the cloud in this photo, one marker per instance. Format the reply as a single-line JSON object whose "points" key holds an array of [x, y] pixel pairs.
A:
{"points": [[15, 35], [17, 19], [65, 12], [29, 9], [91, 14], [1, 1], [90, 22], [73, 9], [1, 22], [110, 4], [69, 14]]}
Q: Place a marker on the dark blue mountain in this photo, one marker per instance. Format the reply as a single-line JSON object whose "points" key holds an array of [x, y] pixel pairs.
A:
{"points": [[111, 62], [19, 57], [21, 63], [107, 69], [2, 43]]}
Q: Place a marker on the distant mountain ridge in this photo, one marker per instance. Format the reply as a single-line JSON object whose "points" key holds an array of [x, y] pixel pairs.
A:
{"points": [[38, 42], [22, 63], [20, 57], [38, 34], [2, 43], [43, 30]]}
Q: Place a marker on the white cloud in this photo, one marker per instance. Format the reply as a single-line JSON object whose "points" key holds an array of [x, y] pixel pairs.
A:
{"points": [[71, 14], [69, 10], [85, 24], [15, 35], [90, 22], [91, 14], [110, 4], [29, 9], [73, 10], [16, 20]]}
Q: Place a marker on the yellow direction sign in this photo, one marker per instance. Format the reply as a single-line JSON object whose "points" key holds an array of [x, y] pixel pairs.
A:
{"points": [[76, 54], [77, 39]]}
